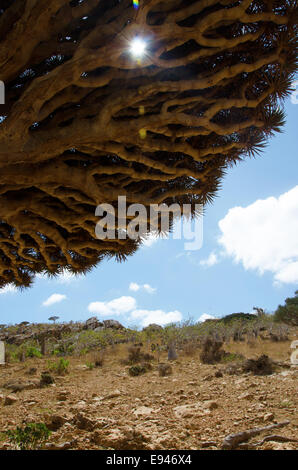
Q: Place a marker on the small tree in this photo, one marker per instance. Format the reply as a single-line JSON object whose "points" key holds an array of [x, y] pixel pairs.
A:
{"points": [[53, 319], [288, 313], [259, 311]]}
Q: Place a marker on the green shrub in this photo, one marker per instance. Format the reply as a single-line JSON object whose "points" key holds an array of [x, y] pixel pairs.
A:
{"points": [[211, 351], [245, 317], [60, 367], [46, 379], [263, 365], [29, 437], [90, 365], [33, 352], [70, 349], [288, 313], [231, 357], [84, 351], [137, 370]]}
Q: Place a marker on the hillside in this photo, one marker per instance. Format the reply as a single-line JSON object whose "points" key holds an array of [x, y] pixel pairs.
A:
{"points": [[95, 403]]}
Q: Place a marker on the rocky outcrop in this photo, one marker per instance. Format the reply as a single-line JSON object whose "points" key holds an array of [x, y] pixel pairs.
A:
{"points": [[114, 324], [153, 327], [92, 323], [19, 334]]}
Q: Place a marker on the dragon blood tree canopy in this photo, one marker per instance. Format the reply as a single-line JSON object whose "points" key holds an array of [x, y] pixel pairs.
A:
{"points": [[149, 99]]}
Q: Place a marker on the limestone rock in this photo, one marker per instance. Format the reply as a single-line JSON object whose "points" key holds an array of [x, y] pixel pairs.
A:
{"points": [[84, 422], [10, 400]]}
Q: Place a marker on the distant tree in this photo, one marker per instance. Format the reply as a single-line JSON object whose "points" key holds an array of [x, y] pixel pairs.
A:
{"points": [[260, 312], [53, 319], [288, 313], [238, 316]]}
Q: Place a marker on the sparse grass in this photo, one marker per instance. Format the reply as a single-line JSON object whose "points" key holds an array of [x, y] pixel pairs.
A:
{"points": [[45, 410], [286, 404], [90, 365], [60, 367], [190, 348], [232, 357], [98, 359], [279, 351], [33, 352]]}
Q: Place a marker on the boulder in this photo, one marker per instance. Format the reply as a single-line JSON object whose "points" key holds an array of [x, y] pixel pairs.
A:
{"points": [[19, 385], [268, 417], [194, 410], [59, 446], [114, 324], [114, 394], [10, 400], [210, 405], [124, 438], [18, 339], [144, 411], [84, 422], [55, 422], [92, 323]]}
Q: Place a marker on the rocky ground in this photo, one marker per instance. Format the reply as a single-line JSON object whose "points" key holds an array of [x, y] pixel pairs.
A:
{"points": [[195, 407]]}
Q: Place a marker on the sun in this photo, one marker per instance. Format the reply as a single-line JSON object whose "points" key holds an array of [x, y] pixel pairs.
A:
{"points": [[138, 47]]}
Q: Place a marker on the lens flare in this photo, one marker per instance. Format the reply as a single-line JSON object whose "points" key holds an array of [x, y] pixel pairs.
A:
{"points": [[138, 47], [136, 4], [143, 133]]}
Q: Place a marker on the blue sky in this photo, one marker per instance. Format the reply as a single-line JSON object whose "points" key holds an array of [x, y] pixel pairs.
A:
{"points": [[256, 218]]}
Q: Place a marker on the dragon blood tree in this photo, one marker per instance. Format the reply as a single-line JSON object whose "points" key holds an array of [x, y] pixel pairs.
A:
{"points": [[149, 99]]}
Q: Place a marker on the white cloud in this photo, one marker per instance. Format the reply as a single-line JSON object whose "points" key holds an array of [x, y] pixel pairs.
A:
{"points": [[210, 261], [156, 316], [8, 289], [288, 274], [54, 299], [133, 286], [126, 304], [114, 307], [151, 239], [205, 316], [149, 289], [264, 236]]}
